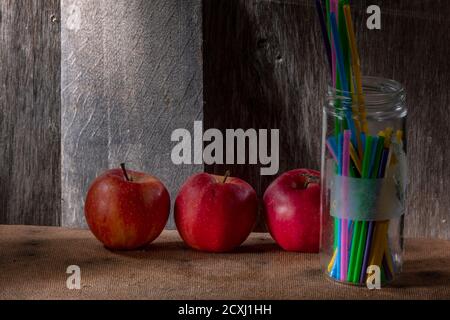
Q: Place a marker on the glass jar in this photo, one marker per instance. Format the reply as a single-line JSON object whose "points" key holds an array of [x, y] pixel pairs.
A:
{"points": [[364, 183]]}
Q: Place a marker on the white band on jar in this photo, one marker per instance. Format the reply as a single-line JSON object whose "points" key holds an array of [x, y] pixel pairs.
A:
{"points": [[366, 199]]}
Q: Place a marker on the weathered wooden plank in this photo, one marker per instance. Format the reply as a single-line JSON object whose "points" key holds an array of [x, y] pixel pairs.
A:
{"points": [[131, 74], [270, 77], [263, 69], [29, 112], [267, 70], [410, 48]]}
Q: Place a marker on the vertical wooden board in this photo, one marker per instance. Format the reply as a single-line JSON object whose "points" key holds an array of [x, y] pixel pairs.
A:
{"points": [[265, 71], [131, 74], [29, 112], [84, 111], [268, 70], [411, 47]]}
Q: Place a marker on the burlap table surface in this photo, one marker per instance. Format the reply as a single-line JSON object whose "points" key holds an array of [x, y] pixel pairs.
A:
{"points": [[33, 263]]}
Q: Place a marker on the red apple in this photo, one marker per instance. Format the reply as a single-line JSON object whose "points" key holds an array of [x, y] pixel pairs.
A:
{"points": [[127, 210], [292, 210], [214, 213]]}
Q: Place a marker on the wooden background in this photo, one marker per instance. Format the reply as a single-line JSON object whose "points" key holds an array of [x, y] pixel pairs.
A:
{"points": [[132, 71], [131, 74], [30, 110]]}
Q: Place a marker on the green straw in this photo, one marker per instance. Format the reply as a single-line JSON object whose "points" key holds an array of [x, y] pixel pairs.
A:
{"points": [[344, 40], [337, 122], [383, 275], [360, 252], [352, 171], [359, 240], [335, 245], [353, 248], [378, 156]]}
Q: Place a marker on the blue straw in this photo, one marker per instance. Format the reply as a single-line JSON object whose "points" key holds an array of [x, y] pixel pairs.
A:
{"points": [[363, 140], [339, 55], [339, 155], [383, 166], [336, 268], [323, 27], [333, 147]]}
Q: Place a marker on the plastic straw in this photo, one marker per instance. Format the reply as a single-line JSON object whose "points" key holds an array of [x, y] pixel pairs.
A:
{"points": [[333, 10], [361, 240], [339, 155], [378, 243], [342, 76], [333, 259], [378, 156], [344, 41], [344, 224], [353, 249], [341, 73], [347, 58], [323, 27], [372, 157], [336, 270], [360, 251], [339, 55], [384, 159], [346, 154], [332, 148], [361, 122], [367, 251], [356, 68], [355, 158]]}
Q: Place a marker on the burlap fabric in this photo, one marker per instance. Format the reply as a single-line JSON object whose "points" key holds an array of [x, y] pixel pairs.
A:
{"points": [[33, 263]]}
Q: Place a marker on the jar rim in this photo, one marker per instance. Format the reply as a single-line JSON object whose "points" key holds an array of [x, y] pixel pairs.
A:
{"points": [[380, 95]]}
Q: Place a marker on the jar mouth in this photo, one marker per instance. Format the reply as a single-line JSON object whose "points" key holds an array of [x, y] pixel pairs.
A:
{"points": [[381, 97]]}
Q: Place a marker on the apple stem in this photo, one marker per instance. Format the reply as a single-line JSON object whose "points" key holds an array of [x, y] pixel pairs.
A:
{"points": [[124, 170], [310, 179], [227, 175]]}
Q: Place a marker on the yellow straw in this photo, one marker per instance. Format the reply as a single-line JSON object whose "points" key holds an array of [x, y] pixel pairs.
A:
{"points": [[387, 141], [356, 65], [378, 245], [331, 264], [354, 108], [355, 158]]}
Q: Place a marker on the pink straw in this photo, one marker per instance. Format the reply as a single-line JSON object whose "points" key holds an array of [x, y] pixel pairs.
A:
{"points": [[344, 224]]}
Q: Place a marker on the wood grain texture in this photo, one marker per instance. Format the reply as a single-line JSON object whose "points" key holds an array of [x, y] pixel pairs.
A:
{"points": [[131, 74], [267, 70], [29, 112], [260, 73], [412, 49]]}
